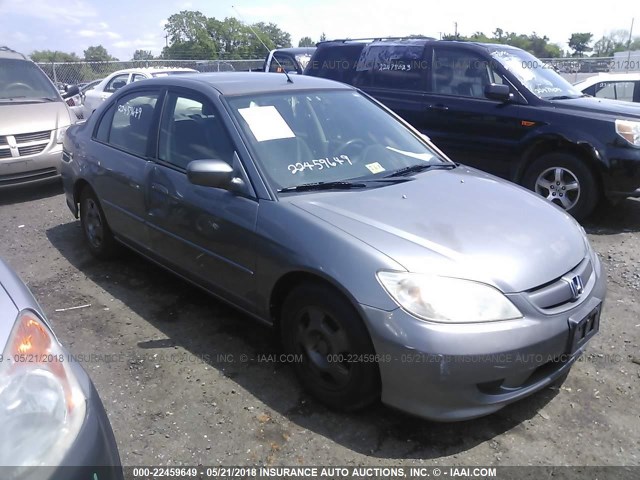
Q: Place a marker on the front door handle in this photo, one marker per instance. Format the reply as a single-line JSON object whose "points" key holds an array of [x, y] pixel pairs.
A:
{"points": [[438, 106], [156, 187]]}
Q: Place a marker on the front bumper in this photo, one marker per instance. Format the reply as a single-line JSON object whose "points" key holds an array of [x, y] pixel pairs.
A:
{"points": [[457, 372], [623, 179], [40, 168]]}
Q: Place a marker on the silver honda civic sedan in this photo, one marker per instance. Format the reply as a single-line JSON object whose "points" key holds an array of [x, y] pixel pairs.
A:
{"points": [[389, 270], [52, 421]]}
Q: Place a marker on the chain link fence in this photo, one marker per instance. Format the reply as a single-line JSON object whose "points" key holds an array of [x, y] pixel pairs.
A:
{"points": [[73, 73]]}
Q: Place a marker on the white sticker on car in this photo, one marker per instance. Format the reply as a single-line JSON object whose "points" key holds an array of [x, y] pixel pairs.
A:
{"points": [[375, 167], [266, 123]]}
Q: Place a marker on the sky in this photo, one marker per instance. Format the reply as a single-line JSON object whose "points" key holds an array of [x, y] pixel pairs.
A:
{"points": [[123, 26]]}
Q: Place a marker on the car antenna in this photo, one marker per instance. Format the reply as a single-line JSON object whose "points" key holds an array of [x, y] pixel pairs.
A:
{"points": [[263, 44]]}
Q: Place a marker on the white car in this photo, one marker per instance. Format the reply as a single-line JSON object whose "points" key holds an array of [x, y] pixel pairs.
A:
{"points": [[615, 86], [98, 94]]}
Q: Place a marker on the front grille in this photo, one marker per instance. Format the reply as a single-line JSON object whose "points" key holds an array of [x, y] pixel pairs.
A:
{"points": [[559, 293], [4, 141], [33, 137], [31, 149], [5, 153]]}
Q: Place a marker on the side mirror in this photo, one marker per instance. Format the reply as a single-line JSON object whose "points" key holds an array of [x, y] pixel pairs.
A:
{"points": [[497, 91], [70, 91], [210, 173]]}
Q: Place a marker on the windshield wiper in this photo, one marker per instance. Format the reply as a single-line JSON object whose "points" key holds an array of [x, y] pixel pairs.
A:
{"points": [[566, 97], [419, 168], [322, 186]]}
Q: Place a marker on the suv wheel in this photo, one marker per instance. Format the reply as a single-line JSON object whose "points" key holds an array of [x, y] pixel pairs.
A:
{"points": [[565, 180], [96, 231], [336, 355]]}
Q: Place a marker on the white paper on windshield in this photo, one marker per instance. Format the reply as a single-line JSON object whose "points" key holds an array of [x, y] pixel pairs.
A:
{"points": [[266, 123], [427, 157]]}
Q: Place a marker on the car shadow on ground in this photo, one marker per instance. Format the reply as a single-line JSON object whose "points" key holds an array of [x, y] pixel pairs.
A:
{"points": [[206, 327], [610, 219], [30, 193]]}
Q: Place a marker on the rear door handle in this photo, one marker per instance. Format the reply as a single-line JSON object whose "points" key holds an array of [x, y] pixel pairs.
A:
{"points": [[438, 106], [159, 188]]}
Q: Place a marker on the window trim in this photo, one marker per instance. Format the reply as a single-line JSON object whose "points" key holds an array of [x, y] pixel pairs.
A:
{"points": [[150, 147]]}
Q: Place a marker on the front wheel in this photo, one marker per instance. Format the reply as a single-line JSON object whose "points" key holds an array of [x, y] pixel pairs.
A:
{"points": [[565, 180], [337, 361]]}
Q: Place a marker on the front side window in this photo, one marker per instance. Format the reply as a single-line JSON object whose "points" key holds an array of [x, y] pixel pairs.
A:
{"points": [[326, 136], [132, 122], [116, 82], [462, 73], [22, 80], [191, 129]]}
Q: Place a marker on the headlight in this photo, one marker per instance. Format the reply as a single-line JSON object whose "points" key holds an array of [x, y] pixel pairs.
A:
{"points": [[42, 407], [449, 300], [60, 133], [629, 130]]}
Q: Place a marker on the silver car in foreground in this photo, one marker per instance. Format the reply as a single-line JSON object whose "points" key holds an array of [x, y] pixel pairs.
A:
{"points": [[391, 271], [52, 421]]}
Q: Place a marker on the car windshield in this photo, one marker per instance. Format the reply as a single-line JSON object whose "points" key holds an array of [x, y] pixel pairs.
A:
{"points": [[326, 136], [23, 80], [537, 76]]}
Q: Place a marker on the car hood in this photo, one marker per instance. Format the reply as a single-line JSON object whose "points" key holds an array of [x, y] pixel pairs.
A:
{"points": [[600, 105], [461, 223], [17, 118]]}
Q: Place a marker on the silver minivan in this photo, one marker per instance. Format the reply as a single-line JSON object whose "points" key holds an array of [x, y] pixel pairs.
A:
{"points": [[33, 121]]}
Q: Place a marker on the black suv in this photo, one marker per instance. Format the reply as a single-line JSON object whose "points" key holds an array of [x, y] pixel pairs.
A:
{"points": [[500, 109]]}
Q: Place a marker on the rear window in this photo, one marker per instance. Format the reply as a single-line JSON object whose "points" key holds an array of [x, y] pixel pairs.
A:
{"points": [[335, 62], [22, 79]]}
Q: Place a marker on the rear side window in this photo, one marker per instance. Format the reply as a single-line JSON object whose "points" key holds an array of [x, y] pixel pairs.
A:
{"points": [[392, 66], [282, 61], [336, 62], [130, 124], [616, 90]]}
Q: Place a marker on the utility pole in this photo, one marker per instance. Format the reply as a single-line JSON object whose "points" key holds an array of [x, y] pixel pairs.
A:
{"points": [[166, 40], [456, 29]]}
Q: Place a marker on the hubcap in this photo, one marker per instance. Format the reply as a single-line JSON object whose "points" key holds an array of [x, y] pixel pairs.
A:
{"points": [[93, 224], [324, 346], [560, 186]]}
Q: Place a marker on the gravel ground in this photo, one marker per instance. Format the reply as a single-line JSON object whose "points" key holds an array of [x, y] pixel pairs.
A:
{"points": [[187, 380]]}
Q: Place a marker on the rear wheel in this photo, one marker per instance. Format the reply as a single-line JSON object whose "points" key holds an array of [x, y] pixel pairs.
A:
{"points": [[337, 357], [96, 231], [565, 180]]}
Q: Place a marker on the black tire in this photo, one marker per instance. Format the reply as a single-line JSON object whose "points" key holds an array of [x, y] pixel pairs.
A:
{"points": [[95, 228], [319, 324], [552, 174]]}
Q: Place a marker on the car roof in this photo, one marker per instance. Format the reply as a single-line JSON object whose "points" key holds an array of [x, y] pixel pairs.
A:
{"points": [[295, 50], [416, 40], [152, 70], [242, 83], [6, 52], [601, 77]]}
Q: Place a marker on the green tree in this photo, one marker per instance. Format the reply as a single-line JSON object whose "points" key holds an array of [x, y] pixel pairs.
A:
{"points": [[189, 37], [306, 42], [97, 54], [142, 55], [323, 37], [54, 56], [579, 43]]}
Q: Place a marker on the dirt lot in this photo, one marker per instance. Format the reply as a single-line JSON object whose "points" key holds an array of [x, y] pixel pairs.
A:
{"points": [[188, 380]]}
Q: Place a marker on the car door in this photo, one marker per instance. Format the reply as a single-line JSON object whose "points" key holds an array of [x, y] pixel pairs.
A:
{"points": [[207, 234], [466, 125], [120, 162]]}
